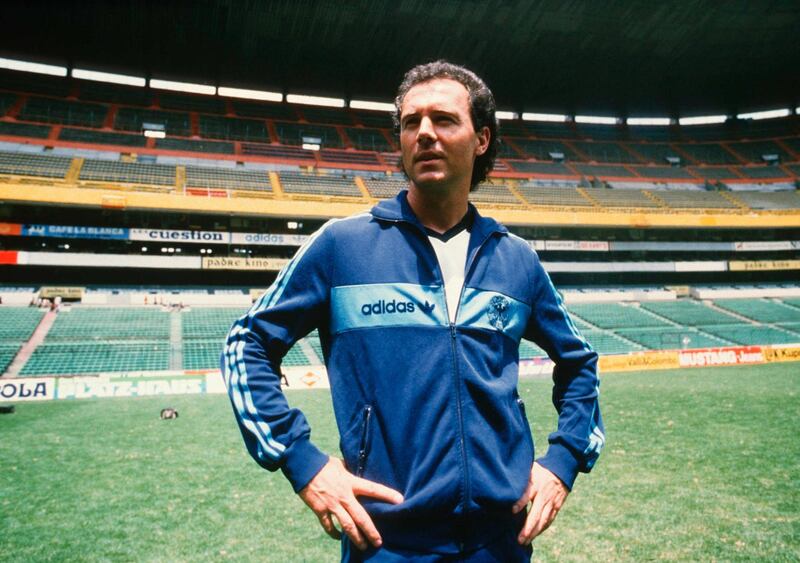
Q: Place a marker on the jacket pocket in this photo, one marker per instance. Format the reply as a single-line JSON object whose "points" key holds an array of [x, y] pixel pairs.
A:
{"points": [[363, 448], [525, 425]]}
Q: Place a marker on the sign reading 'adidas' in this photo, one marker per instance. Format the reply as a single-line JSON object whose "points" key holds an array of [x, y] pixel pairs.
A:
{"points": [[388, 307]]}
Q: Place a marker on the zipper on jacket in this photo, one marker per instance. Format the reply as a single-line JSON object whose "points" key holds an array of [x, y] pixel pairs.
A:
{"points": [[456, 377], [362, 449], [460, 414]]}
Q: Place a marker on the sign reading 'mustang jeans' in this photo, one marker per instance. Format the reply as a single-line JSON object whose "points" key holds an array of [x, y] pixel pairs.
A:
{"points": [[167, 235]]}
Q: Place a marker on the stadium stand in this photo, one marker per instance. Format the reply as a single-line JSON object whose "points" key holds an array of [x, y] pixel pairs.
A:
{"points": [[689, 313], [708, 153], [541, 149], [203, 177], [761, 310], [368, 139], [760, 172], [536, 194], [293, 133], [73, 358], [615, 316], [754, 150], [695, 200], [329, 185], [128, 172], [620, 198], [549, 168], [493, 192], [748, 334], [713, 172], [602, 170], [604, 152], [662, 172], [657, 153], [349, 157], [382, 188], [277, 151], [208, 323], [101, 137], [174, 144], [228, 128], [24, 130], [51, 110], [26, 164], [18, 323], [132, 119], [80, 324], [605, 342]]}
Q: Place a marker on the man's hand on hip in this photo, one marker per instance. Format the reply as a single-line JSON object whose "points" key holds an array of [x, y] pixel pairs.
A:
{"points": [[547, 494], [332, 492]]}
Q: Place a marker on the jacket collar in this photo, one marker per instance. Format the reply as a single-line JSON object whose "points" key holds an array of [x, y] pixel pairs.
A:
{"points": [[398, 209]]}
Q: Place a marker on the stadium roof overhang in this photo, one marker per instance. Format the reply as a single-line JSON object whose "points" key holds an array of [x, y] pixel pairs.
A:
{"points": [[621, 58]]}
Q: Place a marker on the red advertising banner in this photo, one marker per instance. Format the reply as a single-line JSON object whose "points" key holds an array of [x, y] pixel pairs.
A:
{"points": [[8, 256], [10, 229]]}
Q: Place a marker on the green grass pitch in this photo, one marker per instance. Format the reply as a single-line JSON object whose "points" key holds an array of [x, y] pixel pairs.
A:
{"points": [[701, 465]]}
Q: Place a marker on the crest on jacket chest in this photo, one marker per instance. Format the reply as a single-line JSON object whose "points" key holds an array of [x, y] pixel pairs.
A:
{"points": [[497, 311]]}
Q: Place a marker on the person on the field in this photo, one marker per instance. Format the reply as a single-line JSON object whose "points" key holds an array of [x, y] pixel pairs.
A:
{"points": [[420, 305]]}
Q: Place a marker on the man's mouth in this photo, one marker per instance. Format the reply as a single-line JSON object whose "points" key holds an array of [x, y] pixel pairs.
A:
{"points": [[428, 156]]}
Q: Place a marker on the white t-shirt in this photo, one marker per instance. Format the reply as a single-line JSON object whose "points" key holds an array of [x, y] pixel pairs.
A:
{"points": [[451, 252]]}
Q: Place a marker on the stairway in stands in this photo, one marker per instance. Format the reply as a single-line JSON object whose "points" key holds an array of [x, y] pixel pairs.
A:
{"points": [[33, 342]]}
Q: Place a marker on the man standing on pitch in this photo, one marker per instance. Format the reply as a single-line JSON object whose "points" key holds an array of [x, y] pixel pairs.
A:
{"points": [[421, 304]]}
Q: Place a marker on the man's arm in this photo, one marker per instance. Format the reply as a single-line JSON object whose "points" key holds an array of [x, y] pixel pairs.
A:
{"points": [[575, 445], [277, 436]]}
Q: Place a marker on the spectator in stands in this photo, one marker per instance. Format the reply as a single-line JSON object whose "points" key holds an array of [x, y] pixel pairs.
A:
{"points": [[420, 306]]}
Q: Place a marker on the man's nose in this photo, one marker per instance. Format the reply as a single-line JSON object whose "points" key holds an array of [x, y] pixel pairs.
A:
{"points": [[426, 132]]}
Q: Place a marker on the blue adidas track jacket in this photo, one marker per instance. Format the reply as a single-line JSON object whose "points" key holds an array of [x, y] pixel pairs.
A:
{"points": [[423, 406]]}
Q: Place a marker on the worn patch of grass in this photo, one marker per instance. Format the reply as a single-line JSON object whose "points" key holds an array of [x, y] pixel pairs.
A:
{"points": [[700, 465]]}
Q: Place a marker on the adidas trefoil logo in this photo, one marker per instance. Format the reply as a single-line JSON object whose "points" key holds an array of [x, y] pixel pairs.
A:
{"points": [[427, 307]]}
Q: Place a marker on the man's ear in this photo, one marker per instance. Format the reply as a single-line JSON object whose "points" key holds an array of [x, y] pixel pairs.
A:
{"points": [[484, 136]]}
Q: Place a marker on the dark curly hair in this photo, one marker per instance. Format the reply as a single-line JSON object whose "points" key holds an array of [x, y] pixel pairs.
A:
{"points": [[481, 105]]}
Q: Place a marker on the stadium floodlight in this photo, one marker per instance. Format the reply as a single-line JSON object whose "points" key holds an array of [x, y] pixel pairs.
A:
{"points": [[154, 130], [38, 68], [506, 115], [373, 106], [312, 143], [648, 121], [555, 117], [315, 100], [703, 120], [262, 95], [97, 76], [183, 87], [596, 119], [768, 114]]}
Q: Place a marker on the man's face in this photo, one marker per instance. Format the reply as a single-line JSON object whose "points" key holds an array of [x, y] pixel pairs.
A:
{"points": [[437, 138]]}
